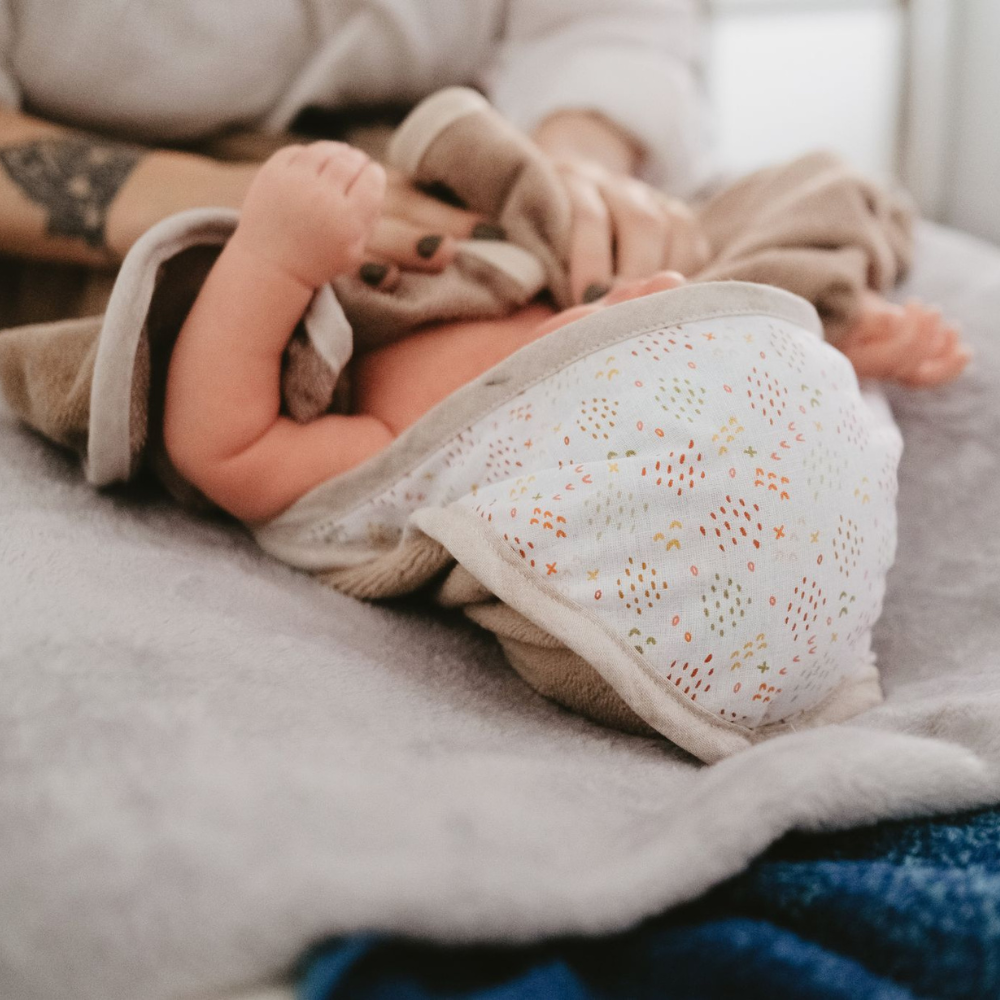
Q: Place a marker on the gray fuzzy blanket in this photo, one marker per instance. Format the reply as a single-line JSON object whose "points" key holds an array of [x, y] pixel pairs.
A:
{"points": [[208, 761]]}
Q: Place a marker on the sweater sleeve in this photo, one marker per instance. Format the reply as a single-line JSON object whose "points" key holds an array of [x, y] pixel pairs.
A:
{"points": [[635, 61], [9, 93]]}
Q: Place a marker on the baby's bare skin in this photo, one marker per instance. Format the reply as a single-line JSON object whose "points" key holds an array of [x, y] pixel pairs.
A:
{"points": [[305, 220], [400, 382]]}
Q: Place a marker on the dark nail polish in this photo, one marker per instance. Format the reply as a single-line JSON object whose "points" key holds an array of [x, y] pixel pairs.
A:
{"points": [[488, 231], [372, 274], [595, 291], [427, 246]]}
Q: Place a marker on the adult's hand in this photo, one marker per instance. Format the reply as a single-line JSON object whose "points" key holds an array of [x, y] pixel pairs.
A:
{"points": [[415, 232], [622, 228]]}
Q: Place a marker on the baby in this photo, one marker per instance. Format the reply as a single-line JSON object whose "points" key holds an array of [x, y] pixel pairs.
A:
{"points": [[304, 222], [674, 507]]}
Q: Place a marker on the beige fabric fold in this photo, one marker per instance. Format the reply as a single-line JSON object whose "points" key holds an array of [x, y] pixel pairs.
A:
{"points": [[455, 141], [814, 227], [553, 670], [46, 372]]}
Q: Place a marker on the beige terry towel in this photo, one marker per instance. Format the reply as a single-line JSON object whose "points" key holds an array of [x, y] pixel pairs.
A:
{"points": [[814, 227]]}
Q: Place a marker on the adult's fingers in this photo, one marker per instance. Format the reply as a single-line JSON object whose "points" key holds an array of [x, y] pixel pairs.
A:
{"points": [[404, 201], [409, 246], [590, 258], [642, 235], [379, 273], [689, 247], [645, 231], [662, 281]]}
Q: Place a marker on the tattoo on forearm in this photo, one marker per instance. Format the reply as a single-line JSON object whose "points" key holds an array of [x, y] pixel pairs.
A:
{"points": [[74, 180]]}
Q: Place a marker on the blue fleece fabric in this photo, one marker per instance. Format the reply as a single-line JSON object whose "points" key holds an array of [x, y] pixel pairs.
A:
{"points": [[891, 912]]}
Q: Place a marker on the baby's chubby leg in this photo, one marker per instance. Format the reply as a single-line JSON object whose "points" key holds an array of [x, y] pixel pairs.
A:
{"points": [[305, 220]]}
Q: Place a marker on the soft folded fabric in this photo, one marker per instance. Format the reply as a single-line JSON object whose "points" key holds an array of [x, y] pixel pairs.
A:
{"points": [[209, 762], [893, 912]]}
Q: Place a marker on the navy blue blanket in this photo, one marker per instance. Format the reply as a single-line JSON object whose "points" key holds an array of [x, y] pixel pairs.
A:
{"points": [[892, 912]]}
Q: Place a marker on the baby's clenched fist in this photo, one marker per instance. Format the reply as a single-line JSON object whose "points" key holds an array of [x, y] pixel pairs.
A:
{"points": [[310, 210]]}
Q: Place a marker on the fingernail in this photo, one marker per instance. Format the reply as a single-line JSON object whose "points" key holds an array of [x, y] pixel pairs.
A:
{"points": [[373, 274], [427, 246], [595, 291], [488, 231]]}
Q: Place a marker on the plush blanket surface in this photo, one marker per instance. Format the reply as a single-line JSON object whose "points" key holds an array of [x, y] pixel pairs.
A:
{"points": [[208, 761], [898, 911]]}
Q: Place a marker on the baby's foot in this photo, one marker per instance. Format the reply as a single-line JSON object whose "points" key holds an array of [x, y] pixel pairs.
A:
{"points": [[662, 281], [910, 344], [310, 210]]}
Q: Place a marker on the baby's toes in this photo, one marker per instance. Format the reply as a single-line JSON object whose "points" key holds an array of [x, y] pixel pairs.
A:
{"points": [[944, 363], [944, 343], [933, 335], [926, 341], [938, 371]]}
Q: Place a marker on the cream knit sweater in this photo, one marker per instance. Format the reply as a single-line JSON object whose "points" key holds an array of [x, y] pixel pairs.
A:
{"points": [[169, 70]]}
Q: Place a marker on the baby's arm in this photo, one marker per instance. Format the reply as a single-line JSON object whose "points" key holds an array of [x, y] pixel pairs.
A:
{"points": [[305, 220]]}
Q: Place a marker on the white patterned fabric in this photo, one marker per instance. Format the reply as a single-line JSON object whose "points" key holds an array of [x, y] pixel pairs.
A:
{"points": [[717, 495]]}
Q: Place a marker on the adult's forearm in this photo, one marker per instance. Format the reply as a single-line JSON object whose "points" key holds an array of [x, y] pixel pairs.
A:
{"points": [[75, 197]]}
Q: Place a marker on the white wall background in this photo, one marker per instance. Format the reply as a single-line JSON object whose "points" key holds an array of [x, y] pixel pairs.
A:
{"points": [[904, 89], [787, 76], [968, 190]]}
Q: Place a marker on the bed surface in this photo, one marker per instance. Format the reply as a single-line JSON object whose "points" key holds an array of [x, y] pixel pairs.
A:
{"points": [[208, 761]]}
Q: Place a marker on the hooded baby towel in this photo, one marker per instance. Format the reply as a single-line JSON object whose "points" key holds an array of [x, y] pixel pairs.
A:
{"points": [[684, 500], [676, 514]]}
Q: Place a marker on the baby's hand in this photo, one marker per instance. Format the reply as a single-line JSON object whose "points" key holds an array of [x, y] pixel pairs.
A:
{"points": [[912, 345], [310, 209]]}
